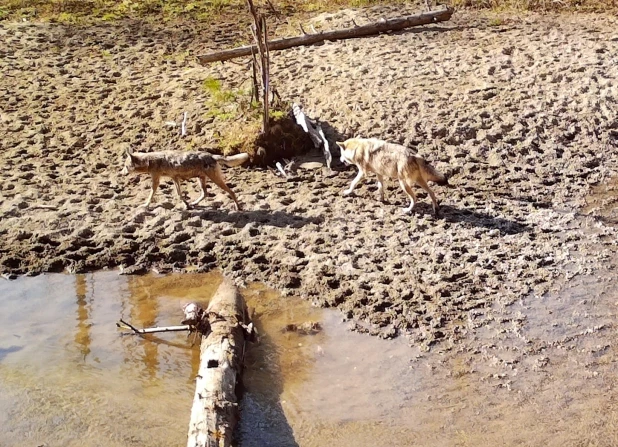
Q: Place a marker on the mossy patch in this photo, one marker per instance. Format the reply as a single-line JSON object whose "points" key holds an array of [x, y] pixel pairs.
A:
{"points": [[285, 138], [238, 120]]}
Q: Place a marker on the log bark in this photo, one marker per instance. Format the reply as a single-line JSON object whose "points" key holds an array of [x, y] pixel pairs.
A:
{"points": [[348, 33], [215, 408]]}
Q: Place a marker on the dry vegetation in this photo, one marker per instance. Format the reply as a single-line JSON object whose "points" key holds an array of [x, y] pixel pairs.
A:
{"points": [[539, 5], [77, 11]]}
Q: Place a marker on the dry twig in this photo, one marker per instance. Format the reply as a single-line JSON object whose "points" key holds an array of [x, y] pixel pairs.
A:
{"points": [[123, 324]]}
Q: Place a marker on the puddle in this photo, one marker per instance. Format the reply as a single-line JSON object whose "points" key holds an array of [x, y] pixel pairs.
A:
{"points": [[67, 377]]}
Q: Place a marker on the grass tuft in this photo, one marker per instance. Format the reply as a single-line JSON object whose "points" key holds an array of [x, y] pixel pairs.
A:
{"points": [[92, 11]]}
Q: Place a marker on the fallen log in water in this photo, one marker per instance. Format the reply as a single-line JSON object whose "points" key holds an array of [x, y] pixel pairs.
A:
{"points": [[224, 326], [348, 33]]}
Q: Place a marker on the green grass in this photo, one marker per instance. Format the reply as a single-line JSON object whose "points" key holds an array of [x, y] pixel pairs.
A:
{"points": [[236, 114], [277, 114], [539, 5], [218, 94], [232, 106], [88, 11]]}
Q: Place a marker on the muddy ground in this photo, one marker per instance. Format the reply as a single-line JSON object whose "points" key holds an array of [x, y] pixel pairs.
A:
{"points": [[521, 111]]}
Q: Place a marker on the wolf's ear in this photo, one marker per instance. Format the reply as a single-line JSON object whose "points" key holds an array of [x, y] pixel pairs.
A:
{"points": [[129, 152], [341, 144]]}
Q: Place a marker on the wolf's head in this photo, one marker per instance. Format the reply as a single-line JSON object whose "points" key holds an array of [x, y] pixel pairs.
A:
{"points": [[132, 163], [347, 153]]}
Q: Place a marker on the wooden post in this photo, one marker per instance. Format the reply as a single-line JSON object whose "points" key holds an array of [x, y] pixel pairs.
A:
{"points": [[260, 35], [215, 404]]}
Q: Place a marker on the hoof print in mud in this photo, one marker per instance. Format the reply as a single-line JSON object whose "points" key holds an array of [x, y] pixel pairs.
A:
{"points": [[525, 147]]}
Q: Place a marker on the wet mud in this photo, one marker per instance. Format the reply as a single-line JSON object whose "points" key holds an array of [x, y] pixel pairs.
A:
{"points": [[520, 111]]}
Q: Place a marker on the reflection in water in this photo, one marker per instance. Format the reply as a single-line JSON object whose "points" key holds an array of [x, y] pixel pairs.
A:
{"points": [[67, 377], [5, 351], [145, 309], [82, 335], [281, 358]]}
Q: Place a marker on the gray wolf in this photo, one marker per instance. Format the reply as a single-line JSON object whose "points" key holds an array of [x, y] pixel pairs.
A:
{"points": [[392, 161], [183, 166]]}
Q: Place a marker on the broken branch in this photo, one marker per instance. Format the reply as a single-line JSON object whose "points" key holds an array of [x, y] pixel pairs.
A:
{"points": [[281, 170], [123, 324], [396, 24], [314, 130]]}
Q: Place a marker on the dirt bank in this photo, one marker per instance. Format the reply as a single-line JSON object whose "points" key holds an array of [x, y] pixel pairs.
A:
{"points": [[521, 112]]}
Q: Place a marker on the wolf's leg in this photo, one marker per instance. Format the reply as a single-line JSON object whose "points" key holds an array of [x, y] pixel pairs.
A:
{"points": [[423, 184], [153, 188], [217, 178], [410, 192], [203, 194], [381, 188], [357, 179], [179, 192]]}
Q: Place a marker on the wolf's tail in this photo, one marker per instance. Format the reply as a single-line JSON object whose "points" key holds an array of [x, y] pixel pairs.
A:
{"points": [[431, 174], [232, 160]]}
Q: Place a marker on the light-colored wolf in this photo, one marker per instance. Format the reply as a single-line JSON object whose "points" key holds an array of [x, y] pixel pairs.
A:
{"points": [[393, 161], [182, 166]]}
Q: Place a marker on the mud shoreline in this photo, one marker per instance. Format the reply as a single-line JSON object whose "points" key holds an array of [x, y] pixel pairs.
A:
{"points": [[521, 111]]}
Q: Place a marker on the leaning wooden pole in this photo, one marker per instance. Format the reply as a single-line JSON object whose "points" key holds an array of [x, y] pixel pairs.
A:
{"points": [[348, 33], [260, 35], [215, 404]]}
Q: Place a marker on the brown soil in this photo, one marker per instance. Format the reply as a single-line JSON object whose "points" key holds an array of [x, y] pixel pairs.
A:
{"points": [[522, 114], [284, 140]]}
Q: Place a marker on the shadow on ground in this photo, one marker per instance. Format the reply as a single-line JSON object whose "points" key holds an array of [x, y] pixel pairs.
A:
{"points": [[479, 219], [262, 419], [240, 219]]}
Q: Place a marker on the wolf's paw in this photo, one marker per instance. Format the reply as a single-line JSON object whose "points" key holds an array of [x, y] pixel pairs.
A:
{"points": [[407, 210], [347, 192]]}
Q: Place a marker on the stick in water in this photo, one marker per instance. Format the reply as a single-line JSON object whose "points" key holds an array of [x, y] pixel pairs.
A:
{"points": [[152, 330]]}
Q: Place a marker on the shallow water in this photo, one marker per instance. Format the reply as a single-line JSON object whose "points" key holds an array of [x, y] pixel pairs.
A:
{"points": [[67, 376]]}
